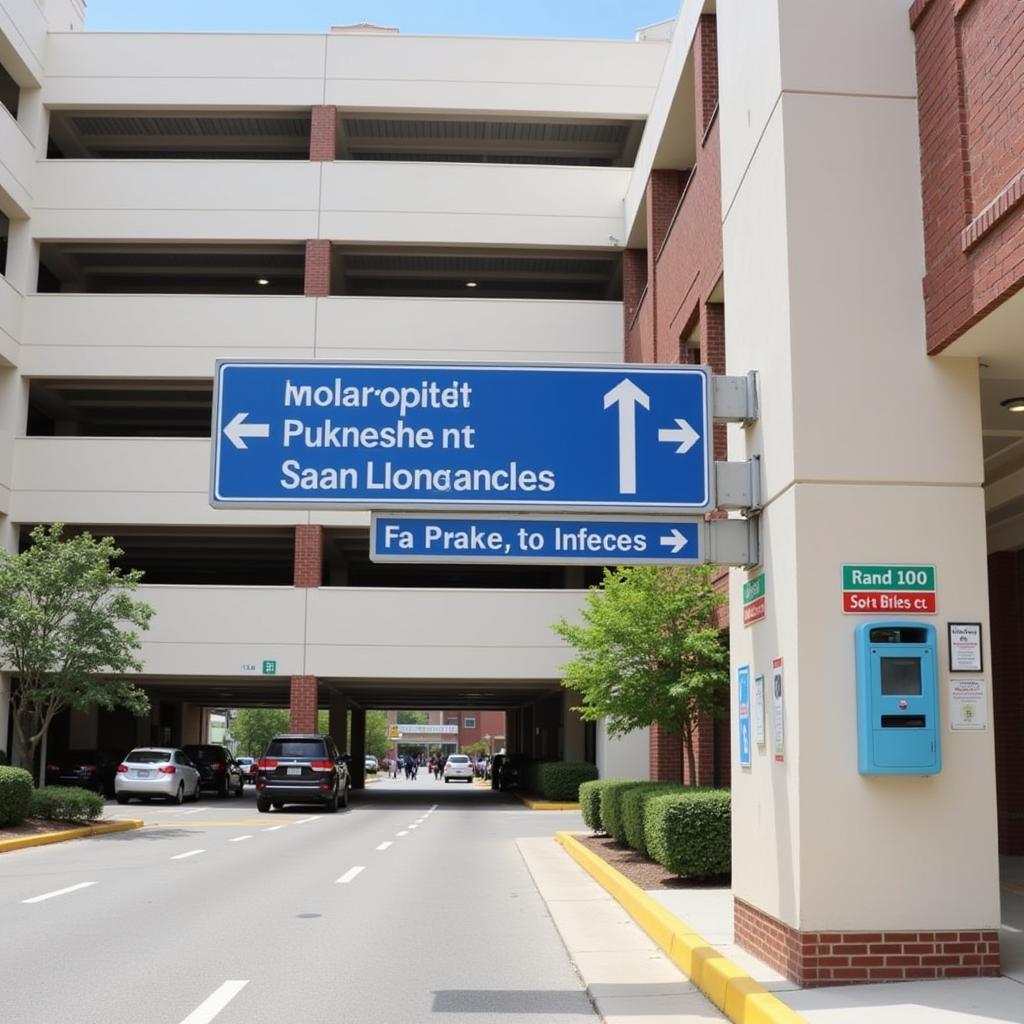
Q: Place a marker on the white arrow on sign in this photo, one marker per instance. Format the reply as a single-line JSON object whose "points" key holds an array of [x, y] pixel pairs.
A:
{"points": [[627, 396], [237, 430], [685, 435], [675, 540]]}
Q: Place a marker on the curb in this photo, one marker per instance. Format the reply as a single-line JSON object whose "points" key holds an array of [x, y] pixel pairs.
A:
{"points": [[548, 805], [726, 984], [46, 838]]}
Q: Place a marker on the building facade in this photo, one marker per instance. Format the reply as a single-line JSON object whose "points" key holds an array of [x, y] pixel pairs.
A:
{"points": [[827, 195]]}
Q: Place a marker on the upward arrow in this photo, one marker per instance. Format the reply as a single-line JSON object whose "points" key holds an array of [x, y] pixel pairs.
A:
{"points": [[627, 396]]}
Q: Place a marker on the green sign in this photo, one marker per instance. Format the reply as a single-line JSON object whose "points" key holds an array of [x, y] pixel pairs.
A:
{"points": [[753, 589], [888, 577], [270, 668]]}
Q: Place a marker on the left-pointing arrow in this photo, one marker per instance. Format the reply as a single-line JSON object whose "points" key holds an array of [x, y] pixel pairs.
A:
{"points": [[238, 430], [676, 540]]}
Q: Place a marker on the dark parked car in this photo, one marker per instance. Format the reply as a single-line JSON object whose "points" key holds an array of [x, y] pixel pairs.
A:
{"points": [[302, 769], [217, 768], [90, 769]]}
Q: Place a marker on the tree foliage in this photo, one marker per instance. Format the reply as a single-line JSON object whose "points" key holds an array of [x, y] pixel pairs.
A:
{"points": [[377, 742], [649, 651], [254, 727], [68, 618], [413, 717]]}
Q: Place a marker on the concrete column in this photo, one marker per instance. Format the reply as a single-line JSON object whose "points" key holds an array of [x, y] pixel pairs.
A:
{"points": [[358, 766], [337, 719], [573, 728], [624, 757], [191, 724], [871, 454]]}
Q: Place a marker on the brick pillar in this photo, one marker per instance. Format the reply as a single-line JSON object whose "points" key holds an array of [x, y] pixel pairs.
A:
{"points": [[705, 72], [712, 353], [1007, 658], [634, 281], [323, 133], [664, 188], [308, 557], [704, 747], [303, 703], [318, 267], [666, 755]]}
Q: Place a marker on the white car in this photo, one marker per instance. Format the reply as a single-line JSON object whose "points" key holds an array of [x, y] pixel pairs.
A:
{"points": [[371, 764], [458, 766], [164, 772]]}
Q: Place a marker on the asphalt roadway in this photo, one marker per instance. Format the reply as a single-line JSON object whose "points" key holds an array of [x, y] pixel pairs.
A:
{"points": [[412, 906]]}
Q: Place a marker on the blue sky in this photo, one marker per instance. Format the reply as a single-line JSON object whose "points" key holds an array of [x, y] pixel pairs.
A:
{"points": [[590, 19]]}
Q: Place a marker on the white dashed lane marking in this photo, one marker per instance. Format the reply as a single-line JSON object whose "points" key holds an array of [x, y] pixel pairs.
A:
{"points": [[212, 1005], [191, 853], [58, 892], [349, 875], [384, 846], [239, 839]]}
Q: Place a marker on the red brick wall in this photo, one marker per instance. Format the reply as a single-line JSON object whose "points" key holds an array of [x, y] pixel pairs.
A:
{"points": [[308, 568], [303, 703], [705, 73], [318, 267], [1006, 601], [666, 764], [971, 121], [322, 133], [816, 959]]}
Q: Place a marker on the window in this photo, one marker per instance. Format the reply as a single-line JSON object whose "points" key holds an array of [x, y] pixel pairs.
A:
{"points": [[469, 722]]}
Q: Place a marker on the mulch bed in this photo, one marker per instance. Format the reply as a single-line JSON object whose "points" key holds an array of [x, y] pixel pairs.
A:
{"points": [[645, 873], [38, 826]]}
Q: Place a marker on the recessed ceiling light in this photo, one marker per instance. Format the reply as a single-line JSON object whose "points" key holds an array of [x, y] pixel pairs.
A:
{"points": [[471, 284], [263, 281], [1013, 404]]}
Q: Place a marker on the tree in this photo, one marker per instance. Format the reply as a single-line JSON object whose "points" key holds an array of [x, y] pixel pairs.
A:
{"points": [[253, 728], [413, 717], [377, 742], [649, 651], [67, 618]]}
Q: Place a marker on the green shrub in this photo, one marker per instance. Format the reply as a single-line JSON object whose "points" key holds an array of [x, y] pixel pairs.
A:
{"points": [[611, 806], [689, 832], [66, 803], [561, 780], [15, 795], [634, 804], [590, 801]]}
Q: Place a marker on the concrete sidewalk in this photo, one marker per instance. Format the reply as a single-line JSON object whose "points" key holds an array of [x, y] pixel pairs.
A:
{"points": [[631, 981]]}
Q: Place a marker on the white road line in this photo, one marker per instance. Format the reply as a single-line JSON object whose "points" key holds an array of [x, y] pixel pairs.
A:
{"points": [[273, 828], [194, 810], [384, 846], [239, 839], [211, 1006], [191, 853], [303, 821], [410, 827], [58, 892], [349, 875], [402, 833]]}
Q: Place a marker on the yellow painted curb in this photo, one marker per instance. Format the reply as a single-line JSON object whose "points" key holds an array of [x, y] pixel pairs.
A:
{"points": [[548, 805], [727, 985], [46, 838]]}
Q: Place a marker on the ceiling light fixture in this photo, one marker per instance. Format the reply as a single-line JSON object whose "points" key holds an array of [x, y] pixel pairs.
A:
{"points": [[263, 281], [1013, 404], [471, 284]]}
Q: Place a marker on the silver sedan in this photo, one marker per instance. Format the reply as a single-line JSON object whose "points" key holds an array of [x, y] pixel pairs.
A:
{"points": [[156, 771], [458, 766]]}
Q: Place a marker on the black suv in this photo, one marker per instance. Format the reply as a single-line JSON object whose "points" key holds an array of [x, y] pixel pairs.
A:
{"points": [[301, 769], [217, 768]]}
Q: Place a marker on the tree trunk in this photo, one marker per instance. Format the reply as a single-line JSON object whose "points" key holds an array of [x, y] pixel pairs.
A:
{"points": [[691, 761], [24, 748]]}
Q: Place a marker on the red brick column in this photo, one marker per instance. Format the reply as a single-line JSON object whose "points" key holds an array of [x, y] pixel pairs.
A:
{"points": [[634, 281], [1007, 667], [666, 755], [303, 703], [323, 133], [318, 267], [704, 745], [712, 353], [705, 72], [309, 543], [664, 190]]}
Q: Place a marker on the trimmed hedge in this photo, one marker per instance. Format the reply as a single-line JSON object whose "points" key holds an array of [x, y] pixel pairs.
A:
{"points": [[557, 780], [689, 832], [611, 806], [15, 795], [66, 803], [590, 801], [634, 810]]}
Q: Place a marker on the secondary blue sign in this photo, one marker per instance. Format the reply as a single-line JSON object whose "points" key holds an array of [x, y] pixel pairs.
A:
{"points": [[743, 718], [537, 539], [436, 436]]}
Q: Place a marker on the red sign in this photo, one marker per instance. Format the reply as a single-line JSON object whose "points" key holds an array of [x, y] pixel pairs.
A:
{"points": [[870, 602], [753, 612]]}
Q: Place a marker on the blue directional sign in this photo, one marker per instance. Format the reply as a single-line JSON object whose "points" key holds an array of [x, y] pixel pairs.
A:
{"points": [[536, 539], [437, 436]]}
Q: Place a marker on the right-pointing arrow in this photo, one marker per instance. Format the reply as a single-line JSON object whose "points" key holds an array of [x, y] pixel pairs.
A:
{"points": [[676, 540], [685, 435]]}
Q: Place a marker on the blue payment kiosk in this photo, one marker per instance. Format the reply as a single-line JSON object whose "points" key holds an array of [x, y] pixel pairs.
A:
{"points": [[897, 699]]}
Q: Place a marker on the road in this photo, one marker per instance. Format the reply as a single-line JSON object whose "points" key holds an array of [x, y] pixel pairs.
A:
{"points": [[412, 906]]}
